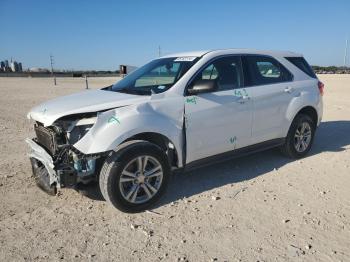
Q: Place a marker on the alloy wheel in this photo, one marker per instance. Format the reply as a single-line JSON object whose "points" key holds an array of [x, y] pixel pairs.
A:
{"points": [[302, 137], [141, 179]]}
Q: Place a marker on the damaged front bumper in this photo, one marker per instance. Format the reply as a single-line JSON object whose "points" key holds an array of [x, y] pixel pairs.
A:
{"points": [[45, 173]]}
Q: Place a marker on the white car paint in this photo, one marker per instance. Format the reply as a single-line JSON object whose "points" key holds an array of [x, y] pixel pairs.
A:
{"points": [[215, 122], [158, 115], [82, 102]]}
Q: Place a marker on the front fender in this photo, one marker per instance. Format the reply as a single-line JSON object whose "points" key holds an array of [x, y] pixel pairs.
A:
{"points": [[117, 125]]}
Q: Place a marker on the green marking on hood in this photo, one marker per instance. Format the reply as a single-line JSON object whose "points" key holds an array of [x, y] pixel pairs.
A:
{"points": [[113, 119]]}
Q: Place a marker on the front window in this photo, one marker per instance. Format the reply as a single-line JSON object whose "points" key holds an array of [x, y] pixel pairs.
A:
{"points": [[225, 73], [155, 77]]}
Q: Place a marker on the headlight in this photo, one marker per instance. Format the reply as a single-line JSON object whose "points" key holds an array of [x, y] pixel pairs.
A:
{"points": [[77, 133], [75, 129], [86, 121]]}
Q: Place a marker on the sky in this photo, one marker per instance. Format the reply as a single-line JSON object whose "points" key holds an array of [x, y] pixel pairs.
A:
{"points": [[101, 35]]}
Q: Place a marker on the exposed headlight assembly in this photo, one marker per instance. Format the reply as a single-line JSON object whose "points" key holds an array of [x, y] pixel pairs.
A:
{"points": [[79, 128], [75, 127]]}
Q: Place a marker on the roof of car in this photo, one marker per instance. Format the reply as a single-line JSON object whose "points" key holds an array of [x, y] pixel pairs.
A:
{"points": [[233, 51]]}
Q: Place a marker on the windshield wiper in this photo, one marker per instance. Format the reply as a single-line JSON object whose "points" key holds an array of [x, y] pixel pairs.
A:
{"points": [[127, 91], [133, 91]]}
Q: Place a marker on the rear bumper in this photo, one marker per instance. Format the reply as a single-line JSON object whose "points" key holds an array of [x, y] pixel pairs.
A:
{"points": [[320, 111]]}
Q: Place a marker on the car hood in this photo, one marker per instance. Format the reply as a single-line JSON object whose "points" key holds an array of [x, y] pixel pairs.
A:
{"points": [[82, 102]]}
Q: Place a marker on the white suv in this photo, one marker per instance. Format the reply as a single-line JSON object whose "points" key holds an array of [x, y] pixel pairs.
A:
{"points": [[176, 112]]}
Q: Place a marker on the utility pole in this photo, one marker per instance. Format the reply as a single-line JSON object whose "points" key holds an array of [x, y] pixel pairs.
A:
{"points": [[159, 54], [52, 74], [86, 82], [346, 52]]}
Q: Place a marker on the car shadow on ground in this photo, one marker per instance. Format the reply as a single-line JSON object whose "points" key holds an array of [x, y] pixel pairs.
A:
{"points": [[331, 136]]}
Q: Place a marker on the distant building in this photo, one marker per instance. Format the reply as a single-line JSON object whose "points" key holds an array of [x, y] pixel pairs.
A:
{"points": [[14, 66], [4, 66], [39, 70]]}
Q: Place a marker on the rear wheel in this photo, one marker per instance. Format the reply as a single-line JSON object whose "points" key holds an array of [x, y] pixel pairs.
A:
{"points": [[135, 177], [300, 137]]}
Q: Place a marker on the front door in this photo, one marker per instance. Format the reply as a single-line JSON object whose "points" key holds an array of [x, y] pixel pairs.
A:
{"points": [[218, 121]]}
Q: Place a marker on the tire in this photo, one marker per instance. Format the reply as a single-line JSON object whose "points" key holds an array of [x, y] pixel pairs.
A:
{"points": [[291, 148], [121, 176]]}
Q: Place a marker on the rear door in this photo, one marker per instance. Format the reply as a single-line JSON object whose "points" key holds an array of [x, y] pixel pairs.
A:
{"points": [[271, 89], [218, 121]]}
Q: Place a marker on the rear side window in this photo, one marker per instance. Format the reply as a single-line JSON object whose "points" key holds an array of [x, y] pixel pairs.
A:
{"points": [[263, 70], [301, 63]]}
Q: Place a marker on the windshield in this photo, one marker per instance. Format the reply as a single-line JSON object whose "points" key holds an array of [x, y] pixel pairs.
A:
{"points": [[155, 77]]}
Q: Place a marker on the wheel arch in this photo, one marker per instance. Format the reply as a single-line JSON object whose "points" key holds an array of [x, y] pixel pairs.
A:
{"points": [[309, 111], [160, 140]]}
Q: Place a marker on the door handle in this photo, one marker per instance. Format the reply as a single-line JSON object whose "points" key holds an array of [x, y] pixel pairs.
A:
{"points": [[288, 89]]}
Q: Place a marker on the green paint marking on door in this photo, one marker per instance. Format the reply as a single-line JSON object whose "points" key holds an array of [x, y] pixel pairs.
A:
{"points": [[237, 92], [113, 119], [192, 100], [240, 92], [233, 140]]}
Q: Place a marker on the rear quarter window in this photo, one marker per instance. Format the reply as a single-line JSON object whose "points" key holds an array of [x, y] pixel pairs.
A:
{"points": [[264, 70], [301, 63]]}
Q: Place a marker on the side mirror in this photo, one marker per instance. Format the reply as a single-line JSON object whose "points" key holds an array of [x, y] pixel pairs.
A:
{"points": [[202, 86]]}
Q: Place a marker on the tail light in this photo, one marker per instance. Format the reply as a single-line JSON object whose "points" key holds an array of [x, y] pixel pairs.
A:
{"points": [[321, 87]]}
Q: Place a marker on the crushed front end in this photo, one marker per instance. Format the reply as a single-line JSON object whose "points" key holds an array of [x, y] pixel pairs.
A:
{"points": [[56, 163]]}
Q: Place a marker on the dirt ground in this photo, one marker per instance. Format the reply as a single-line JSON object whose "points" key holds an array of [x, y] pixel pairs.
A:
{"points": [[263, 207]]}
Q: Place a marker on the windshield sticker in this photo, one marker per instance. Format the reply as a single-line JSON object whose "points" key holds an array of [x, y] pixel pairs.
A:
{"points": [[192, 100], [161, 87], [113, 119], [185, 59]]}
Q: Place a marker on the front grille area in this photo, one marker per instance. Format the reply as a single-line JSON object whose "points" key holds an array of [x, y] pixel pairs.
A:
{"points": [[46, 138]]}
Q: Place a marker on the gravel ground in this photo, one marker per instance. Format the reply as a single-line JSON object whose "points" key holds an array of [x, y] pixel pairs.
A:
{"points": [[263, 207]]}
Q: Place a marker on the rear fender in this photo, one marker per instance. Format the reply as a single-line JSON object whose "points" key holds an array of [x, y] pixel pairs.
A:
{"points": [[303, 99]]}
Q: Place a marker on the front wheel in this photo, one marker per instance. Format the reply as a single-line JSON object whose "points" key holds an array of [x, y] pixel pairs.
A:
{"points": [[134, 177], [300, 137]]}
